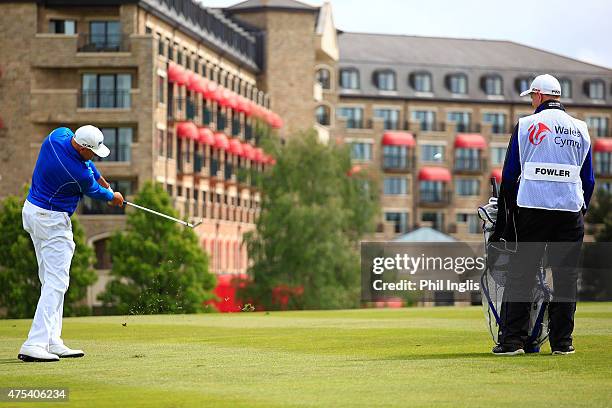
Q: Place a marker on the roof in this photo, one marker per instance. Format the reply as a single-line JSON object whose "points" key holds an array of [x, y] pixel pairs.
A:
{"points": [[425, 234], [251, 5], [441, 56]]}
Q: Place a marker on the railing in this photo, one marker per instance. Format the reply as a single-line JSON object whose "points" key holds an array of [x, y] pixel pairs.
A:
{"points": [[434, 197], [603, 169], [426, 126], [469, 165], [467, 127], [102, 43], [397, 163], [96, 207], [104, 99]]}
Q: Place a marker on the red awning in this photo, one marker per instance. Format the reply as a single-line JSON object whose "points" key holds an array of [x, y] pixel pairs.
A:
{"points": [[176, 74], [193, 80], [431, 173], [248, 151], [259, 155], [497, 173], [206, 136], [470, 141], [603, 145], [398, 139], [210, 91], [221, 141], [235, 147], [232, 99], [187, 130]]}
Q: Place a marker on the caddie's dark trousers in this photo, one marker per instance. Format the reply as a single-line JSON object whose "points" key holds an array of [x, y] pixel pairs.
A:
{"points": [[563, 231]]}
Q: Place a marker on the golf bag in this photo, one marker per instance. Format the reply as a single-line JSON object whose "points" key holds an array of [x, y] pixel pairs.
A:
{"points": [[493, 282]]}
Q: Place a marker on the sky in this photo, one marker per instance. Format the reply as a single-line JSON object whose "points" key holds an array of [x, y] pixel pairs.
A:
{"points": [[578, 29]]}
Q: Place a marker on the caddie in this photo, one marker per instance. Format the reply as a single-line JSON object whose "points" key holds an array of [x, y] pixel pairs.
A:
{"points": [[63, 173], [547, 183]]}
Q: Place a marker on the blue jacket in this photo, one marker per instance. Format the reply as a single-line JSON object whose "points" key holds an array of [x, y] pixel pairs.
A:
{"points": [[61, 176], [512, 166]]}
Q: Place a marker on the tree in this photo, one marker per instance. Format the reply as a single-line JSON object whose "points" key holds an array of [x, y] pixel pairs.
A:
{"points": [[19, 268], [307, 234], [158, 266]]}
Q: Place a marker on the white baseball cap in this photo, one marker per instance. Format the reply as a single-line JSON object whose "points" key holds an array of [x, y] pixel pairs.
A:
{"points": [[545, 84], [92, 138]]}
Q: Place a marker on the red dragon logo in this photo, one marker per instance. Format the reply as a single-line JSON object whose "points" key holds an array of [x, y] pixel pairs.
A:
{"points": [[536, 136]]}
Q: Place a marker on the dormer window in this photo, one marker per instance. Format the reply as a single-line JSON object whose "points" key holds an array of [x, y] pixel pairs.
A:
{"points": [[457, 84], [595, 89], [421, 81], [323, 77], [492, 85], [523, 83], [349, 78], [385, 80], [566, 88]]}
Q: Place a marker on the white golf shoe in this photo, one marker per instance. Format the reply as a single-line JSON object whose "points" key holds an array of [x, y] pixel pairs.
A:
{"points": [[62, 351], [36, 354]]}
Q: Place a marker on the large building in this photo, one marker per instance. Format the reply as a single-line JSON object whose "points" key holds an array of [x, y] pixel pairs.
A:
{"points": [[179, 89]]}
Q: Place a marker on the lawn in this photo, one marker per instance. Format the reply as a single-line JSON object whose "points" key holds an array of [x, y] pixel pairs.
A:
{"points": [[432, 357]]}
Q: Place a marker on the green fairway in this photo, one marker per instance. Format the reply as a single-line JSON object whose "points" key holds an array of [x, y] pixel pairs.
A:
{"points": [[434, 357]]}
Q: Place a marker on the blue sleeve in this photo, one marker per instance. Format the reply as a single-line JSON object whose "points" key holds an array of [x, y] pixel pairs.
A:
{"points": [[91, 188], [588, 178], [512, 167], [93, 168]]}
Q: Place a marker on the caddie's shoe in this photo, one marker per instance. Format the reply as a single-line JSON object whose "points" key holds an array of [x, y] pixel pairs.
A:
{"points": [[503, 350], [31, 354], [563, 350], [64, 352]]}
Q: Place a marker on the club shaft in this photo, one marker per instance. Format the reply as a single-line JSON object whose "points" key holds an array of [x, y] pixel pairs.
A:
{"points": [[158, 214]]}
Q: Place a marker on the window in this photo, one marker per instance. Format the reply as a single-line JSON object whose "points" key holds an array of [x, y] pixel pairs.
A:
{"points": [[91, 206], [385, 80], [492, 85], [105, 35], [349, 78], [106, 90], [603, 163], [323, 77], [467, 187], [170, 49], [595, 89], [62, 27], [435, 218], [498, 155], [161, 141], [390, 117], [471, 220], [467, 159], [161, 82], [461, 120], [497, 121], [523, 83], [395, 157], [457, 83], [427, 119], [421, 81], [119, 141], [566, 88], [322, 114], [432, 153], [354, 117], [160, 45], [598, 124], [361, 151], [169, 144], [399, 220], [103, 257], [395, 186]]}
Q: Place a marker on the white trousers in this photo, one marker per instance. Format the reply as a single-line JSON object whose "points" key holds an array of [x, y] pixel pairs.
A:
{"points": [[51, 233]]}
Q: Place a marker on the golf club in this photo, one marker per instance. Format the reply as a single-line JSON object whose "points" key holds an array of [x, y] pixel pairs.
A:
{"points": [[185, 223]]}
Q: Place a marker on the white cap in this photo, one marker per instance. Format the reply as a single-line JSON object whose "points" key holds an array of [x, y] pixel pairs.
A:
{"points": [[92, 138], [545, 84]]}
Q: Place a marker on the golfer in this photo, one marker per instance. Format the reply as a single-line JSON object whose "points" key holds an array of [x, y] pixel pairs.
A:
{"points": [[547, 182], [63, 174]]}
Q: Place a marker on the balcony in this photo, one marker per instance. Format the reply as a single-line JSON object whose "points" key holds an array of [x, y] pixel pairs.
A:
{"points": [[469, 166], [434, 198], [397, 164], [103, 43], [603, 169], [180, 109], [105, 99]]}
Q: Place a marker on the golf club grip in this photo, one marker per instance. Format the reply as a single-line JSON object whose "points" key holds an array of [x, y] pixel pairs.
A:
{"points": [[494, 187]]}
